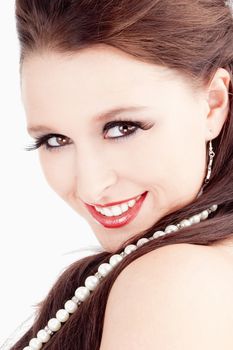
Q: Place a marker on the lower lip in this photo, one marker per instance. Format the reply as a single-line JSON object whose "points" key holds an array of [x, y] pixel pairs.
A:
{"points": [[117, 221]]}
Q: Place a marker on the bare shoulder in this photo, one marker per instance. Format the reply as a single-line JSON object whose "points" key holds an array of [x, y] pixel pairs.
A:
{"points": [[176, 297], [176, 264]]}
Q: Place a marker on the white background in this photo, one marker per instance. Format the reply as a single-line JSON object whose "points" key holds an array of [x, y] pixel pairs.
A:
{"points": [[38, 231]]}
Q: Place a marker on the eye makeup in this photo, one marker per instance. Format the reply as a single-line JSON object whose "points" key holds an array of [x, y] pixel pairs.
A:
{"points": [[122, 125]]}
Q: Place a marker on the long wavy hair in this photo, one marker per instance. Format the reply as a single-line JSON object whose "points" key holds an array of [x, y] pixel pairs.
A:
{"points": [[193, 37]]}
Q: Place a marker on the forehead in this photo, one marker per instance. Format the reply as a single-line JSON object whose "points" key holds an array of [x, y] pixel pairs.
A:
{"points": [[91, 80], [101, 66]]}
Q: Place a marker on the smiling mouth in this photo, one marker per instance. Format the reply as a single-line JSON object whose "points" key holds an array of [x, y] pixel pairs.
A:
{"points": [[115, 217]]}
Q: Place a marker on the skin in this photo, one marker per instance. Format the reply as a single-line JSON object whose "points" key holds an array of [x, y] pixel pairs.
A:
{"points": [[66, 93]]}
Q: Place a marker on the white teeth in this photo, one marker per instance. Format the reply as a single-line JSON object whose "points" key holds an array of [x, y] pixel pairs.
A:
{"points": [[132, 202], [107, 212], [117, 209], [112, 211], [124, 207]]}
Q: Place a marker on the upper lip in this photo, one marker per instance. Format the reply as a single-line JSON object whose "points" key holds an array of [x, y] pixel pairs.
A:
{"points": [[115, 203]]}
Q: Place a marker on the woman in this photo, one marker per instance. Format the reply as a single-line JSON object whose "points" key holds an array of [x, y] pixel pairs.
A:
{"points": [[156, 76]]}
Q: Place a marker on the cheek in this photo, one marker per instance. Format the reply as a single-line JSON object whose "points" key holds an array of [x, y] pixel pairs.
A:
{"points": [[58, 172], [184, 166], [172, 159]]}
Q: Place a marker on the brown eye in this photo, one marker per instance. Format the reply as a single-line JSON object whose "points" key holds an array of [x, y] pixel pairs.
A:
{"points": [[120, 129], [50, 141], [57, 141], [126, 128]]}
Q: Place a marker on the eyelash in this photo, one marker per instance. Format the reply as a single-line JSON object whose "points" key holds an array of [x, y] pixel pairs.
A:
{"points": [[43, 140]]}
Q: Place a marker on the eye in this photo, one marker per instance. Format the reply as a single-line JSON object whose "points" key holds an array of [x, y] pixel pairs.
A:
{"points": [[56, 141], [52, 142], [123, 128]]}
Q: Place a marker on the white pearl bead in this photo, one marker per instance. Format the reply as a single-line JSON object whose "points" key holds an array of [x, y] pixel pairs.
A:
{"points": [[82, 293], [214, 207], [62, 315], [204, 214], [130, 248], [43, 336], [142, 241], [171, 228], [75, 299], [185, 223], [54, 324], [115, 259], [158, 234], [91, 282], [104, 269], [70, 306], [35, 344], [195, 219]]}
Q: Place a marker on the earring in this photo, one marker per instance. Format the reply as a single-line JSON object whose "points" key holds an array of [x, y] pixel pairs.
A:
{"points": [[209, 168], [211, 157]]}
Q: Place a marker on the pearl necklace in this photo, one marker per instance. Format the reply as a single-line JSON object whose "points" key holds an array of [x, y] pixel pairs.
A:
{"points": [[91, 282]]}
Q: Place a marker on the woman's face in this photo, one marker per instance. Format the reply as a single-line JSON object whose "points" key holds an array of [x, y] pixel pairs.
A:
{"points": [[90, 161]]}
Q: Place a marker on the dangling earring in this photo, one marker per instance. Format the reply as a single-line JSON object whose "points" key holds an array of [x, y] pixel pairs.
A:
{"points": [[209, 168], [211, 157]]}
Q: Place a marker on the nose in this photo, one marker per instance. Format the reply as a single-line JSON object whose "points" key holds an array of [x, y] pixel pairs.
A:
{"points": [[94, 178]]}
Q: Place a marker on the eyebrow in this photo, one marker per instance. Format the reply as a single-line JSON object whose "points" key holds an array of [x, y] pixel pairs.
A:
{"points": [[105, 115]]}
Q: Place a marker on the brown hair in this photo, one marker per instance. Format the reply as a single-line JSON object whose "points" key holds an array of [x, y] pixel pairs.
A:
{"points": [[191, 36]]}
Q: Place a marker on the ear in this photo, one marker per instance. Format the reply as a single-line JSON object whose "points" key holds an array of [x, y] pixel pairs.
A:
{"points": [[217, 97]]}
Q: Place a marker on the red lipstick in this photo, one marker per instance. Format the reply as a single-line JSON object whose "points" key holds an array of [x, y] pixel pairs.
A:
{"points": [[120, 220]]}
